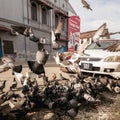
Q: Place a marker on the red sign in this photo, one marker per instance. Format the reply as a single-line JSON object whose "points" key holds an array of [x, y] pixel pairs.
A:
{"points": [[73, 32]]}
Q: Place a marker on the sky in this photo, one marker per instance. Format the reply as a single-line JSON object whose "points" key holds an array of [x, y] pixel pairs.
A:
{"points": [[104, 11]]}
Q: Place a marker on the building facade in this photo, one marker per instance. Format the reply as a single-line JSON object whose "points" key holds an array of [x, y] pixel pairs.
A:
{"points": [[41, 15]]}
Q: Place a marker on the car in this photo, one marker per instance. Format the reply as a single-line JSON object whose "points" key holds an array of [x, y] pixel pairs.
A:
{"points": [[97, 60]]}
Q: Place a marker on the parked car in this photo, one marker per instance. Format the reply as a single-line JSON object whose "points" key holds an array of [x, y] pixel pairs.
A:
{"points": [[97, 60]]}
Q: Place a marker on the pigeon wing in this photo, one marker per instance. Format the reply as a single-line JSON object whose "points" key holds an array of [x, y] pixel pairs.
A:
{"points": [[19, 29], [53, 36], [35, 67]]}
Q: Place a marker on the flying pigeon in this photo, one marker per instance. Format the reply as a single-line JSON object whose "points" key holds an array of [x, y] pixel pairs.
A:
{"points": [[21, 30], [72, 68], [42, 56], [8, 62], [108, 34], [26, 31], [113, 48], [56, 36], [32, 37], [57, 58], [58, 30], [19, 76], [17, 68], [55, 44], [86, 5], [35, 67], [97, 34]]}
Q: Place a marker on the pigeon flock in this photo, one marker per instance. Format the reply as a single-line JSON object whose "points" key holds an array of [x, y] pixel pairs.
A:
{"points": [[63, 96]]}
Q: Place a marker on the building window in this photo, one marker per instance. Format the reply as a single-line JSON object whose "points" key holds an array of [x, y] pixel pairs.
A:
{"points": [[8, 47], [44, 15], [55, 1], [33, 11]]}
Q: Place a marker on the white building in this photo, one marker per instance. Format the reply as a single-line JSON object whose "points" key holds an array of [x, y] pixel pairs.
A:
{"points": [[41, 16]]}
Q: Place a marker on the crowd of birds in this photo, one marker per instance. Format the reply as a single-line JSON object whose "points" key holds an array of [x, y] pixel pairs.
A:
{"points": [[63, 96]]}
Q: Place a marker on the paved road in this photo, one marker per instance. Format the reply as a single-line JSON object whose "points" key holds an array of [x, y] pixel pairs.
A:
{"points": [[50, 68]]}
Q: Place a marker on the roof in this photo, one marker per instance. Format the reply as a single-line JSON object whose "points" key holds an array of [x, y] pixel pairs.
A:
{"points": [[88, 34]]}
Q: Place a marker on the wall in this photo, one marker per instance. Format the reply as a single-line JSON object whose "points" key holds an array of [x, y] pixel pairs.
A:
{"points": [[16, 12], [12, 10]]}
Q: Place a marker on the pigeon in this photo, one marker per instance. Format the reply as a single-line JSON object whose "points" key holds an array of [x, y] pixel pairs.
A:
{"points": [[57, 59], [31, 75], [8, 63], [71, 68], [17, 68], [55, 44], [108, 34], [26, 88], [26, 31], [35, 67], [32, 37], [21, 30], [72, 112], [116, 89], [88, 97], [14, 84], [45, 78], [86, 5], [54, 76], [114, 48], [97, 34], [42, 56], [19, 76], [2, 86], [58, 30], [62, 77], [65, 55], [34, 83]]}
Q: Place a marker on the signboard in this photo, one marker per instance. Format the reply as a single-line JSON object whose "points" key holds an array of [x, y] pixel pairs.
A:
{"points": [[73, 32]]}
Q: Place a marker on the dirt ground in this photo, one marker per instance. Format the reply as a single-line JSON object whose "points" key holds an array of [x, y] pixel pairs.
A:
{"points": [[49, 72], [108, 109]]}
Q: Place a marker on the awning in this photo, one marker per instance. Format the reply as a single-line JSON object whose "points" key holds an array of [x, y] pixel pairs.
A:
{"points": [[45, 3], [4, 29]]}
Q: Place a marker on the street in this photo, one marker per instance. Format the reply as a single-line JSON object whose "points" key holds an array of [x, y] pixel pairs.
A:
{"points": [[48, 69]]}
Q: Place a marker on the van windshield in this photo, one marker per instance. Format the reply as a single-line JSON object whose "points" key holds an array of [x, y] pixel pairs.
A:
{"points": [[100, 45]]}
